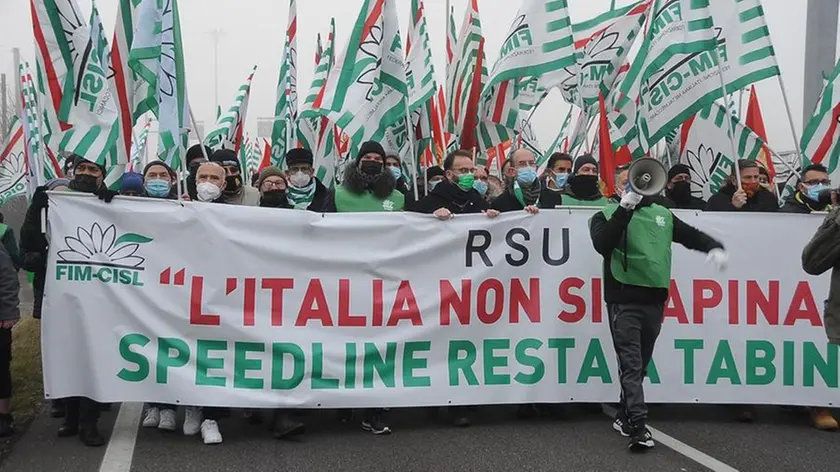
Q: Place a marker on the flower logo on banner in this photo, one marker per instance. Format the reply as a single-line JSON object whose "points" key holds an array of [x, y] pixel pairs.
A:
{"points": [[702, 163], [12, 175], [96, 246]]}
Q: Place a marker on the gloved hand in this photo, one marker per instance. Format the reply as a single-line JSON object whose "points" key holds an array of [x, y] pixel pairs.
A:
{"points": [[719, 258], [630, 200], [106, 194], [40, 200]]}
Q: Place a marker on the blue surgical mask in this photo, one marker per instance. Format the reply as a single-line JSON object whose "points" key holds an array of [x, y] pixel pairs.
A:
{"points": [[396, 172], [560, 180], [157, 188], [481, 187], [526, 175], [814, 192]]}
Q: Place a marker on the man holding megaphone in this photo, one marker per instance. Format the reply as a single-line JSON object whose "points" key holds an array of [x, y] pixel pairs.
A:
{"points": [[634, 237]]}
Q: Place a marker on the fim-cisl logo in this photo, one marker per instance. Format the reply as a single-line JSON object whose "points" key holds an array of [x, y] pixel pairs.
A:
{"points": [[101, 256]]}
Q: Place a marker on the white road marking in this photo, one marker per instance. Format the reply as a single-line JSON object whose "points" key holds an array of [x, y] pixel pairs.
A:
{"points": [[120, 450], [682, 448]]}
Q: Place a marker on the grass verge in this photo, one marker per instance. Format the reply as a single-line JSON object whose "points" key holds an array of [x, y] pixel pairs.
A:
{"points": [[27, 377]]}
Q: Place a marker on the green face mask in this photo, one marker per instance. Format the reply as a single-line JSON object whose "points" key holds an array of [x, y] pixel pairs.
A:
{"points": [[466, 181]]}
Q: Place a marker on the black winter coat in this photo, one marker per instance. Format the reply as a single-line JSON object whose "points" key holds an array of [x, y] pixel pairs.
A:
{"points": [[450, 196], [762, 202]]}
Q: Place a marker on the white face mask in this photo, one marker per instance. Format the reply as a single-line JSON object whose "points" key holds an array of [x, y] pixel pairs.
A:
{"points": [[207, 192], [300, 179]]}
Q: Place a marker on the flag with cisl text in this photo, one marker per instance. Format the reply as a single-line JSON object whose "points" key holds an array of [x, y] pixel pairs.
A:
{"points": [[507, 311]]}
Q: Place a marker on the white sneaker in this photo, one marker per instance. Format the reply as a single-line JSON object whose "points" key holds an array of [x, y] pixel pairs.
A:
{"points": [[210, 432], [192, 421], [167, 420], [152, 417]]}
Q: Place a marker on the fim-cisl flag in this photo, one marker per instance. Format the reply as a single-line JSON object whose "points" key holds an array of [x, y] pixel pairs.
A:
{"points": [[707, 149], [681, 33], [538, 43], [366, 92], [13, 178], [157, 60], [227, 133], [87, 103], [286, 107], [821, 139], [601, 54]]}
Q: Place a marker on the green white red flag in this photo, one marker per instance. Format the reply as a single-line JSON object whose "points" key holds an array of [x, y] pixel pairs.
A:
{"points": [[462, 73], [227, 132], [284, 131], [821, 139], [366, 93]]}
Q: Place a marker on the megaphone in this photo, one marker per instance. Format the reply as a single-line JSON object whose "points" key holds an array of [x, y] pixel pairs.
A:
{"points": [[647, 177]]}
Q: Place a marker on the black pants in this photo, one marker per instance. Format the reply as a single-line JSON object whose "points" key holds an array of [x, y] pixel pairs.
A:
{"points": [[81, 410], [5, 363], [634, 329], [214, 413]]}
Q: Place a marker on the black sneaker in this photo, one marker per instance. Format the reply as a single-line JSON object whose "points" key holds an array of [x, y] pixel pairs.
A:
{"points": [[641, 440], [621, 424], [376, 426], [7, 425]]}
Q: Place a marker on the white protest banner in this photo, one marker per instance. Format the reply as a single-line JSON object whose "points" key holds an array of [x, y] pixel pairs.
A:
{"points": [[271, 308]]}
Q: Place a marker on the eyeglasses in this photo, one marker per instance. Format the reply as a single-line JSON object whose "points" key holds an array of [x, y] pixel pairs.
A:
{"points": [[818, 182], [278, 184], [464, 170]]}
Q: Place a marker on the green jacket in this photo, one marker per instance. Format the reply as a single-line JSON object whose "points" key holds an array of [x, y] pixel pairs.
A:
{"points": [[821, 254]]}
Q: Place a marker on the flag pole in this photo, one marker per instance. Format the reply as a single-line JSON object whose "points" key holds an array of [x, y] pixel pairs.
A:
{"points": [[203, 152], [729, 121], [414, 157]]}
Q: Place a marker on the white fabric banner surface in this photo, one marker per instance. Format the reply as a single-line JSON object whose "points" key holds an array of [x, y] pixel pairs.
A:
{"points": [[204, 304]]}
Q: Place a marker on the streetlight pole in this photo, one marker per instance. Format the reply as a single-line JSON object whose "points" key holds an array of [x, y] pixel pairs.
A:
{"points": [[820, 50]]}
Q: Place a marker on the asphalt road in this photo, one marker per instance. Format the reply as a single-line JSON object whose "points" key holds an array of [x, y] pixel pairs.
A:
{"points": [[497, 441]]}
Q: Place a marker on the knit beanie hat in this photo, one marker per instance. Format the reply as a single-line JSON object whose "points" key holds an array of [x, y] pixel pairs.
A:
{"points": [[583, 160], [163, 164], [131, 182], [225, 158], [433, 172], [678, 169], [268, 172], [77, 161], [299, 156], [370, 147]]}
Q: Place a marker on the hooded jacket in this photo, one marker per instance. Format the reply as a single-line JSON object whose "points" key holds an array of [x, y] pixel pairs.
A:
{"points": [[450, 196], [762, 202], [821, 254]]}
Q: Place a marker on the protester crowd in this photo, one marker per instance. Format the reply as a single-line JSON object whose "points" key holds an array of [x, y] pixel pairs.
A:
{"points": [[373, 182]]}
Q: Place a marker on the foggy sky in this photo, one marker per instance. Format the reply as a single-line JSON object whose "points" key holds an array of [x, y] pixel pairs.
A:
{"points": [[254, 35]]}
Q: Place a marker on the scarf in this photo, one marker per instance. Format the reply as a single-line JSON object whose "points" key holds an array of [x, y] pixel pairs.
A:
{"points": [[527, 196], [301, 198]]}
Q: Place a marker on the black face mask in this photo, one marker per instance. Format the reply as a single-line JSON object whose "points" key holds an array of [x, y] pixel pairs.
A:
{"points": [[371, 167], [681, 193], [84, 183], [274, 199], [585, 185], [233, 184]]}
